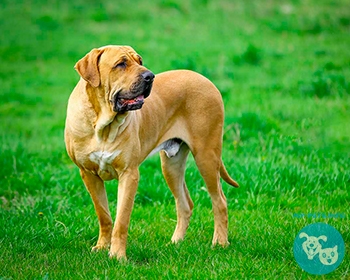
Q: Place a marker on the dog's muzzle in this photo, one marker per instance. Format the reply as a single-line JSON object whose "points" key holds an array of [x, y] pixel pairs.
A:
{"points": [[134, 99]]}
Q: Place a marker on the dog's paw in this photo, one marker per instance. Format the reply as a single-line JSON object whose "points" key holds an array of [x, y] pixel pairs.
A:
{"points": [[120, 257], [98, 248], [221, 244], [177, 238], [217, 241]]}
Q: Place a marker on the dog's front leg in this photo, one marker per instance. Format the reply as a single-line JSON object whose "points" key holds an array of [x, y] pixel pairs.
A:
{"points": [[95, 186], [127, 187]]}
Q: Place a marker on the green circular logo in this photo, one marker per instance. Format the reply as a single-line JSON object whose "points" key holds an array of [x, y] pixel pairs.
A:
{"points": [[319, 248]]}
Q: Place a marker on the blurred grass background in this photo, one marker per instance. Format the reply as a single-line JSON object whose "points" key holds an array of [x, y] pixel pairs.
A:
{"points": [[283, 70]]}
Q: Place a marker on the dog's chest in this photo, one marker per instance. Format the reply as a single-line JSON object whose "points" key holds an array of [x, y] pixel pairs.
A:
{"points": [[104, 160]]}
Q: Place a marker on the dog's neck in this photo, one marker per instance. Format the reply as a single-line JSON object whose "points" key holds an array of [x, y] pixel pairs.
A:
{"points": [[107, 128], [108, 123]]}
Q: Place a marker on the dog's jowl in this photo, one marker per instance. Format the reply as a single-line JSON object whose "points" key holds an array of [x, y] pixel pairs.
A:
{"points": [[119, 113]]}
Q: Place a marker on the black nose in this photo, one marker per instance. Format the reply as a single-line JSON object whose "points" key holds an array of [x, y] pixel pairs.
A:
{"points": [[148, 76]]}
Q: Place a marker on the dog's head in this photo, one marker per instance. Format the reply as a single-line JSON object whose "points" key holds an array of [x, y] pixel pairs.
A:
{"points": [[119, 74], [311, 245]]}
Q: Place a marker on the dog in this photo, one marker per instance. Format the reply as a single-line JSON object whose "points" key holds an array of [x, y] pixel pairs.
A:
{"points": [[120, 113], [311, 245]]}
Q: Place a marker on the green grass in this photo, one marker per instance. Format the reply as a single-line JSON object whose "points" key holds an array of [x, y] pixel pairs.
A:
{"points": [[283, 70]]}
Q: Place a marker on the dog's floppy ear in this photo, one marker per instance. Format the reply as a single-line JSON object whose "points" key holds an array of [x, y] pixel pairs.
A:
{"points": [[87, 67], [322, 237], [303, 234]]}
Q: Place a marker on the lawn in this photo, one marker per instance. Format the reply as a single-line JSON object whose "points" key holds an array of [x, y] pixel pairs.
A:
{"points": [[283, 68]]}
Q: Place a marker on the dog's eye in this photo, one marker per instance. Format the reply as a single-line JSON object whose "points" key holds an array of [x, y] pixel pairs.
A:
{"points": [[140, 60], [121, 65]]}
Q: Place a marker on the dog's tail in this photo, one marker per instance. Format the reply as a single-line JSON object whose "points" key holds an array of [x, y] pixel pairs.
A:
{"points": [[224, 175]]}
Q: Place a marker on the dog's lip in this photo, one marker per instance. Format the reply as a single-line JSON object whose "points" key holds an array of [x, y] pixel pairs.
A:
{"points": [[139, 98], [118, 97], [122, 104]]}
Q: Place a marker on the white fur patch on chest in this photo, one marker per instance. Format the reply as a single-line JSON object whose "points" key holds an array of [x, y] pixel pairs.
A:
{"points": [[104, 158]]}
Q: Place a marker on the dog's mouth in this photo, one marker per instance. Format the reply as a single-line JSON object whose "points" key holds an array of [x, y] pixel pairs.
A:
{"points": [[131, 100], [122, 105]]}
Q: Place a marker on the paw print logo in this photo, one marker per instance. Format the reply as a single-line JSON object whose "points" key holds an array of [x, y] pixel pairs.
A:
{"points": [[319, 248]]}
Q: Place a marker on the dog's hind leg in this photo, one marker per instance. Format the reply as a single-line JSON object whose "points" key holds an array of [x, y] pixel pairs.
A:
{"points": [[208, 163], [95, 186], [173, 170]]}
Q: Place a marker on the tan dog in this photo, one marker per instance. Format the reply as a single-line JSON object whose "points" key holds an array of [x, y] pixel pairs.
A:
{"points": [[108, 138]]}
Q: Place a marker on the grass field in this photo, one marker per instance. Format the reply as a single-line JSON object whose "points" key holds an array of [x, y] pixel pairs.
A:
{"points": [[283, 68]]}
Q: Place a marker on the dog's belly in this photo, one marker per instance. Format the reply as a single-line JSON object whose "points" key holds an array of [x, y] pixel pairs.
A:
{"points": [[104, 161]]}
